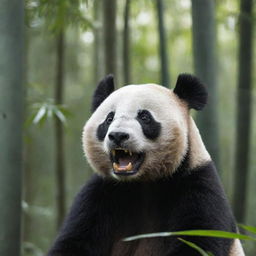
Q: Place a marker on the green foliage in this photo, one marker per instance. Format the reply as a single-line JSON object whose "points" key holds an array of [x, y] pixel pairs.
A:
{"points": [[29, 249], [206, 233], [36, 210], [194, 246], [47, 110], [248, 228], [57, 15]]}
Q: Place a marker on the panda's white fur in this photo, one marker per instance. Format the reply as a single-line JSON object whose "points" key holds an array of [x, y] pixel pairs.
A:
{"points": [[166, 153], [236, 249]]}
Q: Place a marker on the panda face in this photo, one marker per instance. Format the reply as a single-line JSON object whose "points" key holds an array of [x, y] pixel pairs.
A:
{"points": [[138, 131]]}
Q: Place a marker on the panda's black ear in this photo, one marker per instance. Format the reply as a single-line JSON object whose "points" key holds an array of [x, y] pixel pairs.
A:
{"points": [[190, 89], [104, 89]]}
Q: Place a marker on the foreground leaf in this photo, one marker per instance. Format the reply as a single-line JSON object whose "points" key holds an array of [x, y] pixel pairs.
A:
{"points": [[194, 246], [207, 233], [248, 228]]}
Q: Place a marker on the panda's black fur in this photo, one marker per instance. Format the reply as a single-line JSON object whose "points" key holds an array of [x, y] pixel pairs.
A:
{"points": [[103, 127], [106, 210], [150, 127], [191, 89], [103, 90]]}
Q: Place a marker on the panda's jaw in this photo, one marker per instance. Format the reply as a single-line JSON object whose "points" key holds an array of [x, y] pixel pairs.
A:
{"points": [[126, 162]]}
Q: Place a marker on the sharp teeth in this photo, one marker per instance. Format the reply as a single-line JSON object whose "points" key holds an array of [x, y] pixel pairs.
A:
{"points": [[126, 151], [113, 152], [115, 166], [130, 153], [129, 167]]}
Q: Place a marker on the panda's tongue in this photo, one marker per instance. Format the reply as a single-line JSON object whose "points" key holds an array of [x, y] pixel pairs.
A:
{"points": [[124, 161]]}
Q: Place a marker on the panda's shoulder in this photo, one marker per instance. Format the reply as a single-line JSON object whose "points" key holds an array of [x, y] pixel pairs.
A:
{"points": [[204, 175], [202, 180], [202, 189]]}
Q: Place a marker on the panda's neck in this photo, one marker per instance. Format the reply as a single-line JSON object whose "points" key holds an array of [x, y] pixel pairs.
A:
{"points": [[198, 155]]}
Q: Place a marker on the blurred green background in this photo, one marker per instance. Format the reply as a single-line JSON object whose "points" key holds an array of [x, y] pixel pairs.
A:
{"points": [[71, 45]]}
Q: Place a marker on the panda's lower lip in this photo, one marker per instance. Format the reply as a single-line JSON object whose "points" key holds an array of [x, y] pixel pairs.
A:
{"points": [[125, 173]]}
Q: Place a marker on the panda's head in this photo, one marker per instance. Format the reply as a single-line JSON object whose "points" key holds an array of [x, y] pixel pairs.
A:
{"points": [[143, 131]]}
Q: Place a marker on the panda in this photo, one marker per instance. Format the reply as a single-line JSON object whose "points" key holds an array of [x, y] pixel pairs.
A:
{"points": [[153, 174]]}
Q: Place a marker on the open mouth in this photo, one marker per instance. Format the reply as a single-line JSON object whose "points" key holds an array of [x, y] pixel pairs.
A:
{"points": [[126, 162]]}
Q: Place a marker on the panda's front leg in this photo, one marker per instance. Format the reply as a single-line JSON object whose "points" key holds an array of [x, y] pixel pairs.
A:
{"points": [[85, 230]]}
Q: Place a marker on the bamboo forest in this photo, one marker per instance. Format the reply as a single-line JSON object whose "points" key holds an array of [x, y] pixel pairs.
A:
{"points": [[53, 55]]}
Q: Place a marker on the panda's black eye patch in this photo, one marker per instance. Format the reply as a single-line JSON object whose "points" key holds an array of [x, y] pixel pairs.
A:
{"points": [[110, 118], [150, 127], [144, 116], [103, 127]]}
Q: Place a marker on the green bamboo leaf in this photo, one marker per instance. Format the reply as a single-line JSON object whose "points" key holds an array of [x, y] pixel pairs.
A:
{"points": [[42, 120], [65, 111], [194, 246], [50, 113], [150, 235], [40, 114], [59, 115], [248, 228], [207, 233]]}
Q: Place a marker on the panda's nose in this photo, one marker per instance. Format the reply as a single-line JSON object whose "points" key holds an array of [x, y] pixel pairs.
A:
{"points": [[118, 137]]}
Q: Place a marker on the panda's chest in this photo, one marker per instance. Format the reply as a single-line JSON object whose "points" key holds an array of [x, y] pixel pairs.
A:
{"points": [[146, 223], [143, 210], [149, 247]]}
